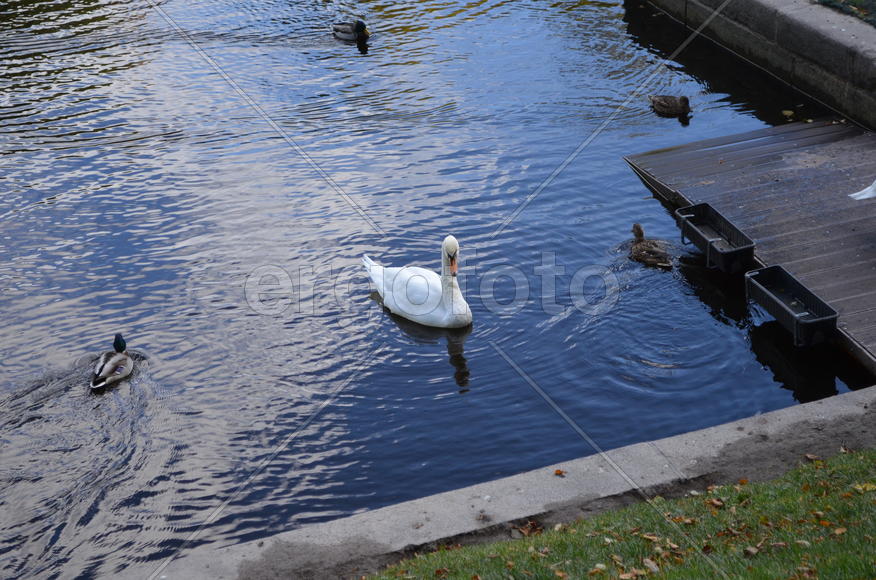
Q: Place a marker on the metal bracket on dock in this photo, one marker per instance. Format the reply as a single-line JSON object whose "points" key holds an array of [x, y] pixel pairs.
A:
{"points": [[705, 227]]}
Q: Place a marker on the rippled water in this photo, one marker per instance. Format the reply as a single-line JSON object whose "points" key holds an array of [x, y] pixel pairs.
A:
{"points": [[140, 191]]}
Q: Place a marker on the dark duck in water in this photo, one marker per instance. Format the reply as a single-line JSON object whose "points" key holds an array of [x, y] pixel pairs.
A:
{"points": [[351, 31], [669, 106], [648, 252]]}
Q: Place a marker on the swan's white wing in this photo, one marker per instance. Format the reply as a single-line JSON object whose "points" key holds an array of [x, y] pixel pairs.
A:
{"points": [[416, 285], [380, 276]]}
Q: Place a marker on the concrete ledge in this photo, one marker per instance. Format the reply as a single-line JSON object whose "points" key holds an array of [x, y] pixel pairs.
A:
{"points": [[823, 52], [756, 448]]}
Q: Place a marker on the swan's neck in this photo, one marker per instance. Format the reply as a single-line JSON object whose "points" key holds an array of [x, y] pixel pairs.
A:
{"points": [[448, 282], [451, 296]]}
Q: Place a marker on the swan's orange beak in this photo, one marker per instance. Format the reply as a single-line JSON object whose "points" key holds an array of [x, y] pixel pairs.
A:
{"points": [[453, 267]]}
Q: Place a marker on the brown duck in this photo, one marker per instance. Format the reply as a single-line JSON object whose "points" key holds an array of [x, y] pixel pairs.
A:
{"points": [[649, 252], [669, 106]]}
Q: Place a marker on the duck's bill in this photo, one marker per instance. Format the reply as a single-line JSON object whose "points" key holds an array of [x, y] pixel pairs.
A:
{"points": [[97, 382]]}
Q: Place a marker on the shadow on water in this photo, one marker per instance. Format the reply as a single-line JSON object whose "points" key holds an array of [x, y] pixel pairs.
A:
{"points": [[809, 373], [454, 338], [722, 293], [720, 71]]}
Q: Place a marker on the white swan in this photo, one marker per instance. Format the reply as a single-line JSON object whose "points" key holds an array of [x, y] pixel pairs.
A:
{"points": [[422, 295], [865, 193]]}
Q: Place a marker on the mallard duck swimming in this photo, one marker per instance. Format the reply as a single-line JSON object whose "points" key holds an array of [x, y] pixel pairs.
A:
{"points": [[351, 31], [669, 106], [648, 252], [112, 367]]}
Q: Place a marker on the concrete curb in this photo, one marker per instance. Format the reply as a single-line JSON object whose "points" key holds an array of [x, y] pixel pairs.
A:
{"points": [[830, 55], [758, 448]]}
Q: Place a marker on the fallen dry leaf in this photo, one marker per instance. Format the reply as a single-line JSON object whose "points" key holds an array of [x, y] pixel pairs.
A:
{"points": [[530, 528], [560, 574], [864, 487], [559, 473], [803, 543], [751, 551], [715, 502], [441, 572], [475, 577], [651, 537], [743, 481], [839, 531], [708, 549], [811, 457], [651, 565]]}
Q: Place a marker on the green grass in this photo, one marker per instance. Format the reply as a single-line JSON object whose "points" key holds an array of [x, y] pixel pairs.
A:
{"points": [[818, 521], [863, 9]]}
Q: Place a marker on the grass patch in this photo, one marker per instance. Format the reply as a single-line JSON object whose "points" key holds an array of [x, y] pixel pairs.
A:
{"points": [[863, 9], [818, 521]]}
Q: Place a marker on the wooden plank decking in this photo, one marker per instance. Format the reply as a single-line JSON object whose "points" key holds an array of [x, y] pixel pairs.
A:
{"points": [[787, 188]]}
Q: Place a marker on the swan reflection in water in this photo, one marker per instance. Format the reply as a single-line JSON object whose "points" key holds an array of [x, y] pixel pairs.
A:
{"points": [[455, 338]]}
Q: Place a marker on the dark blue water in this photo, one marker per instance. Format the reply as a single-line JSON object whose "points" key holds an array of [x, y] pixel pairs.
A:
{"points": [[141, 191]]}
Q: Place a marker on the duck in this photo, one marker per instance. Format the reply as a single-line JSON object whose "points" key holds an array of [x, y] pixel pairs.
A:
{"points": [[648, 252], [670, 106], [112, 367], [351, 31], [865, 193], [420, 295]]}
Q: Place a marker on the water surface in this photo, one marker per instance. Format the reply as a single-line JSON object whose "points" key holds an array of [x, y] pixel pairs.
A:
{"points": [[140, 192]]}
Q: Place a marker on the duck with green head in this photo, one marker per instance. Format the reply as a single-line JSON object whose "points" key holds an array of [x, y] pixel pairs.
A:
{"points": [[112, 367]]}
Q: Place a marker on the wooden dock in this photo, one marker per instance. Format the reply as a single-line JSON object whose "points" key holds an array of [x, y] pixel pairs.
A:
{"points": [[787, 188]]}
